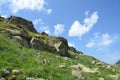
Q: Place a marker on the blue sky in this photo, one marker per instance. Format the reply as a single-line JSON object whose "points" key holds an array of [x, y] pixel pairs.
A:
{"points": [[91, 26]]}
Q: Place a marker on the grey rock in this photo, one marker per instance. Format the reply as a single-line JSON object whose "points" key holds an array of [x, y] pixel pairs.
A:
{"points": [[37, 43], [22, 23], [2, 79], [21, 40], [15, 32], [5, 71], [60, 45]]}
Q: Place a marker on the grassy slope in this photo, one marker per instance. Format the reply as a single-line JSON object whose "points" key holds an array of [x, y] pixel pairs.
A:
{"points": [[31, 63]]}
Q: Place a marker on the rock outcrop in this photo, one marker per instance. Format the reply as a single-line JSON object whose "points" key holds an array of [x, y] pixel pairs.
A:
{"points": [[60, 44], [37, 43], [20, 22], [21, 33]]}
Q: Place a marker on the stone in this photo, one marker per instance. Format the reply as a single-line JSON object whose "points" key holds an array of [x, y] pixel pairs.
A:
{"points": [[16, 72], [2, 79], [101, 78], [22, 41], [60, 45], [5, 71], [45, 61], [22, 23], [62, 65], [30, 79], [50, 48], [77, 74], [37, 43], [15, 32]]}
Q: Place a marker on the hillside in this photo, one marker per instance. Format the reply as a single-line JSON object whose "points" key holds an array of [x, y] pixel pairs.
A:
{"points": [[26, 54]]}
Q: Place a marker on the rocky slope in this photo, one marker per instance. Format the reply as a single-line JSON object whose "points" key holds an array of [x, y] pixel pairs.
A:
{"points": [[26, 54]]}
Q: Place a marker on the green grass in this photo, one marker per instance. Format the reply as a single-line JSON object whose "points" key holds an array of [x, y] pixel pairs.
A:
{"points": [[31, 63]]}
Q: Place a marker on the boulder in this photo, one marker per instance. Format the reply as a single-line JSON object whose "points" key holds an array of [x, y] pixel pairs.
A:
{"points": [[16, 72], [21, 40], [77, 74], [37, 43], [22, 23], [63, 65], [60, 45], [15, 32]]}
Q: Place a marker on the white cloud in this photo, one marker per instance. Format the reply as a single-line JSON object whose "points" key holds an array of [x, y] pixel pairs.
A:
{"points": [[17, 5], [59, 29], [71, 44], [49, 11], [41, 26], [78, 29], [106, 39], [38, 21], [90, 44], [100, 41]]}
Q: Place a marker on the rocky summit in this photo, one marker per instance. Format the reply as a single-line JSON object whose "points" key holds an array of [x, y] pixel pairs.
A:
{"points": [[26, 54]]}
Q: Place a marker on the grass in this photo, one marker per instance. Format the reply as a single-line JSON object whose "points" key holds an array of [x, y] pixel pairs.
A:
{"points": [[31, 62]]}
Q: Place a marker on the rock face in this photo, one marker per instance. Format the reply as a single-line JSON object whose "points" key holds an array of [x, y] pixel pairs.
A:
{"points": [[60, 45], [15, 32], [21, 33], [37, 43], [19, 36], [22, 41], [20, 22]]}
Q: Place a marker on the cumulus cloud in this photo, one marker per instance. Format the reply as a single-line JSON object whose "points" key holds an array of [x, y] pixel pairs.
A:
{"points": [[78, 29], [49, 11], [17, 5], [59, 29], [100, 41]]}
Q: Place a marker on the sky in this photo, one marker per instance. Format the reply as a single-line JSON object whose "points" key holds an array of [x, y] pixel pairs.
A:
{"points": [[91, 26]]}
